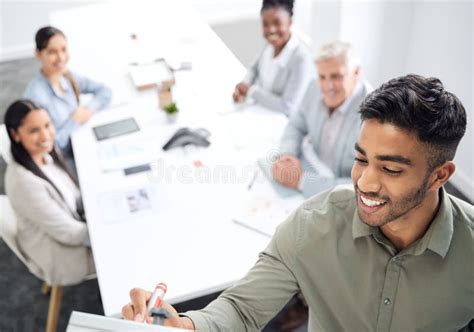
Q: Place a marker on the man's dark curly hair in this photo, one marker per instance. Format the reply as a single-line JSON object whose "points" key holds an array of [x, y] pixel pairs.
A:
{"points": [[423, 107]]}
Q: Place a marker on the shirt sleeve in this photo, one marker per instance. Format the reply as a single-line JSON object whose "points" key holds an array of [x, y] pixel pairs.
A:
{"points": [[36, 91], [295, 130], [252, 71], [262, 293], [102, 93], [64, 131], [32, 200], [30, 92], [301, 74]]}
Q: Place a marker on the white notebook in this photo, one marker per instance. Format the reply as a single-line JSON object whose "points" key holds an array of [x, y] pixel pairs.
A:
{"points": [[83, 322]]}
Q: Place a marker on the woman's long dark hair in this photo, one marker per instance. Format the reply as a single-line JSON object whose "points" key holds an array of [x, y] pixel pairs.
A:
{"points": [[14, 117], [42, 38]]}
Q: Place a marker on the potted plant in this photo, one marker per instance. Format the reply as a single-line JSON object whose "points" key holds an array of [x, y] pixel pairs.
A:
{"points": [[171, 111]]}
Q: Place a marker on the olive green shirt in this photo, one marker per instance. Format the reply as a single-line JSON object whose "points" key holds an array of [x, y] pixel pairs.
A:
{"points": [[352, 277]]}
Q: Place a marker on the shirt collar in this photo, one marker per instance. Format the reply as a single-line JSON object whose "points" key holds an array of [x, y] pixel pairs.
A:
{"points": [[48, 159], [285, 55], [359, 228], [64, 83], [437, 238], [62, 80]]}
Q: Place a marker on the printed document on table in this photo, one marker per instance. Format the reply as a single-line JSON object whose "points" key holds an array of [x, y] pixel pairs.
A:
{"points": [[263, 209], [124, 153], [127, 204]]}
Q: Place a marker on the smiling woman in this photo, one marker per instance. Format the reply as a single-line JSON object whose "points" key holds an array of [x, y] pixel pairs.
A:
{"points": [[58, 90], [46, 199], [36, 135], [281, 73]]}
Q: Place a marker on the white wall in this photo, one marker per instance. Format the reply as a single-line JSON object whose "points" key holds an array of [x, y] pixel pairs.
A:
{"points": [[242, 37], [441, 45], [20, 19], [379, 31], [319, 20], [430, 38]]}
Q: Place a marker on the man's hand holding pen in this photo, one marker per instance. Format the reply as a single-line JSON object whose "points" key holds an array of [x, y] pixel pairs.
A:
{"points": [[137, 310]]}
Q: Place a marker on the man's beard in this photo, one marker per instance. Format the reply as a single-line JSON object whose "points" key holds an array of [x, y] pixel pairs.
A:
{"points": [[396, 209]]}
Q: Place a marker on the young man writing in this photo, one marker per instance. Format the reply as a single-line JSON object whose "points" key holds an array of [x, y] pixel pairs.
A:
{"points": [[392, 254]]}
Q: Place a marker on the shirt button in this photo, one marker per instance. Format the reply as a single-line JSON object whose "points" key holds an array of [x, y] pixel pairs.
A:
{"points": [[387, 301], [397, 259]]}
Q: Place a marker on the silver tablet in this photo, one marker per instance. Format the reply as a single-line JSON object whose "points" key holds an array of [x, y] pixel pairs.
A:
{"points": [[117, 128]]}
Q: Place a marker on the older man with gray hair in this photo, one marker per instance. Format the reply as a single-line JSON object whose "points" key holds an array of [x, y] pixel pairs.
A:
{"points": [[317, 146]]}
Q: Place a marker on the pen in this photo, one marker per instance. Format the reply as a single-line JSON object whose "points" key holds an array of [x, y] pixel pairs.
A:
{"points": [[252, 181], [156, 297]]}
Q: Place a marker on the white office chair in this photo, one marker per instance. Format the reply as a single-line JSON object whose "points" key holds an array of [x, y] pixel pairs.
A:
{"points": [[8, 231], [5, 144]]}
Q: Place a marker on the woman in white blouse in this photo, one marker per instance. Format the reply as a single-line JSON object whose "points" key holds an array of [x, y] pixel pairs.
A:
{"points": [[280, 75], [46, 199]]}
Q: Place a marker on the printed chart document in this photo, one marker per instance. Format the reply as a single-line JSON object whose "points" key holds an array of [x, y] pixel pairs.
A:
{"points": [[119, 154], [127, 205], [83, 322]]}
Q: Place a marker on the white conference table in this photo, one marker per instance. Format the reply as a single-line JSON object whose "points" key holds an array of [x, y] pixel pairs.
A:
{"points": [[182, 233]]}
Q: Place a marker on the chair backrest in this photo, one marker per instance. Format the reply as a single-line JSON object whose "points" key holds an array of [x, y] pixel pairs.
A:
{"points": [[5, 144], [8, 231], [8, 228]]}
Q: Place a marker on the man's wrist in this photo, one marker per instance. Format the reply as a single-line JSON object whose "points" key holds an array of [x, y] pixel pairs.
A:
{"points": [[186, 322]]}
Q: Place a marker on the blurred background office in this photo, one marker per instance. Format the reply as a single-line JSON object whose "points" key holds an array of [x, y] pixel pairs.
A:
{"points": [[430, 38]]}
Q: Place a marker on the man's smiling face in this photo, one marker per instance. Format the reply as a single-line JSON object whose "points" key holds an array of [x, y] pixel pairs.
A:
{"points": [[390, 173]]}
